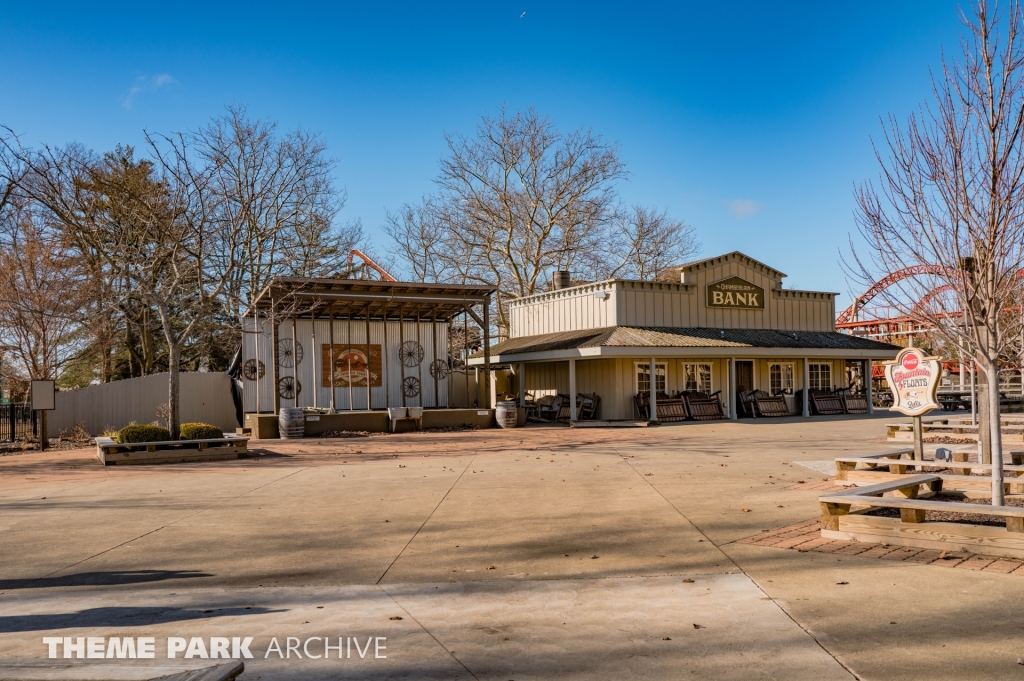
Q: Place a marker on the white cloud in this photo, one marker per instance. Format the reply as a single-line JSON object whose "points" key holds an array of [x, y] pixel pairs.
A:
{"points": [[146, 84], [743, 208]]}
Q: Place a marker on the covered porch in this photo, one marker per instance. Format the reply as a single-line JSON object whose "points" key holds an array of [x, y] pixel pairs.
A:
{"points": [[790, 373]]}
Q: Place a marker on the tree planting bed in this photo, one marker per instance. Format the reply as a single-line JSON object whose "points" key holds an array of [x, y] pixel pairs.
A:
{"points": [[856, 515], [111, 453]]}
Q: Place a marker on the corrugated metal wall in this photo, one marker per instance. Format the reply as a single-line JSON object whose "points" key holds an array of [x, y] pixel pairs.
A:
{"points": [[205, 397], [309, 371]]}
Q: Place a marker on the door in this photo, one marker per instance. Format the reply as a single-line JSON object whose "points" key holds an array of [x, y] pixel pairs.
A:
{"points": [[744, 382]]}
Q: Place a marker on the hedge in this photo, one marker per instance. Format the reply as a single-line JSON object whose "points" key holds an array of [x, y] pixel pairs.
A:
{"points": [[199, 431], [142, 433]]}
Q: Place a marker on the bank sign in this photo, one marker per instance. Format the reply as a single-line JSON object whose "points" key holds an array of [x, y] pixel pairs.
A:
{"points": [[735, 293], [914, 381]]}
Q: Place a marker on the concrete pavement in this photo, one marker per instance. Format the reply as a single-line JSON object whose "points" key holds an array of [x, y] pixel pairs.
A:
{"points": [[484, 544]]}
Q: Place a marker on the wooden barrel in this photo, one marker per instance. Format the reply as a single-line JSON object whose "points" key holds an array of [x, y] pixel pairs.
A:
{"points": [[291, 423], [507, 414]]}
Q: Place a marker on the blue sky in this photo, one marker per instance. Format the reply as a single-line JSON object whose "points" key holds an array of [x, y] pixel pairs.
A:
{"points": [[749, 120]]}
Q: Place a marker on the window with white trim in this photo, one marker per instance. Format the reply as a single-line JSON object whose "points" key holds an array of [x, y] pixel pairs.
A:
{"points": [[697, 377], [819, 376], [643, 377], [780, 378]]}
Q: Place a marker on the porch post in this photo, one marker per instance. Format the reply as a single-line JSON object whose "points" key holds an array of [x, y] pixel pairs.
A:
{"points": [[572, 390], [870, 388], [732, 389], [653, 373], [807, 387], [522, 384]]}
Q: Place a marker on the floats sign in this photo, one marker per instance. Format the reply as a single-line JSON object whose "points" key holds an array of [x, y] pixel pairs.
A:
{"points": [[914, 381], [735, 293]]}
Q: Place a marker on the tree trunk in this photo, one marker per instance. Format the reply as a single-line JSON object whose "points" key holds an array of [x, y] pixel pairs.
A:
{"points": [[991, 369], [173, 407], [984, 434]]}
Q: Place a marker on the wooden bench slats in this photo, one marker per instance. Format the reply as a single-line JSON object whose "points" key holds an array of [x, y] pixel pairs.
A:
{"points": [[883, 487], [927, 505]]}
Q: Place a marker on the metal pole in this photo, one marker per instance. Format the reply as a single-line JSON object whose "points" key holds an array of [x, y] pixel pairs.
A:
{"points": [[870, 387], [274, 339], [487, 355], [313, 352], [419, 366], [330, 339], [348, 335], [807, 389], [918, 440], [572, 391], [385, 360], [465, 351], [369, 403], [433, 354], [401, 347], [654, 390], [732, 389], [256, 323], [295, 362]]}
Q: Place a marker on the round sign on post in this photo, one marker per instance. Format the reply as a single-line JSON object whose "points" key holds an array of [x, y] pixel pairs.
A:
{"points": [[913, 378]]}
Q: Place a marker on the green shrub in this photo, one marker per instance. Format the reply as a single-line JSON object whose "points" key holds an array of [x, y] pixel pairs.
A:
{"points": [[142, 433], [199, 431]]}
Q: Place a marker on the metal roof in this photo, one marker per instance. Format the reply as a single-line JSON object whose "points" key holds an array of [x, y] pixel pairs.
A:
{"points": [[304, 297], [667, 337]]}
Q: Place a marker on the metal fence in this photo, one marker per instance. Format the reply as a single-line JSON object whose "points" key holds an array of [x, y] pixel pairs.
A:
{"points": [[17, 422]]}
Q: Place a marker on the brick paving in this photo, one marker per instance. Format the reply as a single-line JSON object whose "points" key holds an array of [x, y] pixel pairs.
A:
{"points": [[806, 537]]}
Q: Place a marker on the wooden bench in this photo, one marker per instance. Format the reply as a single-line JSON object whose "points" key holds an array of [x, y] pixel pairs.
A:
{"points": [[827, 405], [770, 406], [112, 453], [843, 517], [858, 470]]}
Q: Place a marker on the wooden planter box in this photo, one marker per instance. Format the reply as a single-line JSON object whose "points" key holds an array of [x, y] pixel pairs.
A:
{"points": [[111, 453], [842, 517]]}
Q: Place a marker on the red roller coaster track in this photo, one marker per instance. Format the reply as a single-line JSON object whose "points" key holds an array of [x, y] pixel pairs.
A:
{"points": [[885, 282]]}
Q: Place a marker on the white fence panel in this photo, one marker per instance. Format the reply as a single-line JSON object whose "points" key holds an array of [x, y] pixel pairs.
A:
{"points": [[205, 397]]}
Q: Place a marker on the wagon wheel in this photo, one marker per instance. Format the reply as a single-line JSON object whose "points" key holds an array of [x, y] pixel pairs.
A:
{"points": [[254, 369], [439, 369], [289, 352], [288, 387], [411, 353], [411, 386]]}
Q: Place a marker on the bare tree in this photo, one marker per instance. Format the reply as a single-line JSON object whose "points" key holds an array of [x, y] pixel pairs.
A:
{"points": [[155, 223], [42, 289], [515, 201], [951, 203], [521, 199], [277, 192], [643, 242]]}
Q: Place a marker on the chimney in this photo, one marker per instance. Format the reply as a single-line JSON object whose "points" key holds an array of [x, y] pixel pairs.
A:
{"points": [[560, 280]]}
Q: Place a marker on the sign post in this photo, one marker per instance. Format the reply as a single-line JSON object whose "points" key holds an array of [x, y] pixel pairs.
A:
{"points": [[43, 401], [913, 378]]}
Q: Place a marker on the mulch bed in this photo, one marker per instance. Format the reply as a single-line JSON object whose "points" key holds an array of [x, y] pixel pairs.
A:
{"points": [[29, 447], [331, 434]]}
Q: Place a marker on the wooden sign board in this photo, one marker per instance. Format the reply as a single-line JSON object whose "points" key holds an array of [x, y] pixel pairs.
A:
{"points": [[350, 365], [735, 293], [914, 380]]}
